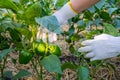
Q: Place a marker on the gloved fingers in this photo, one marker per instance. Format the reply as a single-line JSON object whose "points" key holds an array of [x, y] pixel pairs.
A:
{"points": [[103, 37], [43, 37], [52, 37], [87, 42], [89, 55], [94, 58], [85, 49]]}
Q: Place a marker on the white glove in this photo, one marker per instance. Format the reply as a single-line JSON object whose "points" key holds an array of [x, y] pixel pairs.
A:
{"points": [[101, 47], [59, 18], [65, 13], [43, 33]]}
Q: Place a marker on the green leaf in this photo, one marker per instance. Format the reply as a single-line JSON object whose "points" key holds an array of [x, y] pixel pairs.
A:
{"points": [[52, 64], [74, 37], [111, 10], [97, 21], [100, 4], [20, 74], [35, 10], [72, 49], [16, 1], [25, 31], [112, 1], [60, 3], [8, 74], [116, 22], [91, 9], [24, 1], [18, 45], [15, 35], [88, 24], [95, 63], [104, 15], [80, 23], [88, 15], [109, 29], [83, 73], [8, 4], [1, 79], [68, 65], [6, 23], [3, 43], [71, 30], [49, 22], [4, 52]]}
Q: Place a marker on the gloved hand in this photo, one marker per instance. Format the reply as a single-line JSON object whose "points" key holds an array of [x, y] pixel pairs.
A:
{"points": [[57, 19], [43, 34], [65, 13], [101, 47]]}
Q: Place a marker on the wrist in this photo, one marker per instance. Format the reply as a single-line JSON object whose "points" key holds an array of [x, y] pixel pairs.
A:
{"points": [[65, 13]]}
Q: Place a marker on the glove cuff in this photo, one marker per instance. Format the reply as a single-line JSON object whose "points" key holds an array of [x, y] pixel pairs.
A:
{"points": [[65, 13], [70, 5]]}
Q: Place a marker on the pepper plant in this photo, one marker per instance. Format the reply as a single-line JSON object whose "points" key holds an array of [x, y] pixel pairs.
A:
{"points": [[19, 22], [18, 33]]}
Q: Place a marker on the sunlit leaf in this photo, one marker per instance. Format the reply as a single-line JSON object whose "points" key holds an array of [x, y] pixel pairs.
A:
{"points": [[60, 3], [109, 29], [8, 4], [35, 10], [49, 22], [24, 31]]}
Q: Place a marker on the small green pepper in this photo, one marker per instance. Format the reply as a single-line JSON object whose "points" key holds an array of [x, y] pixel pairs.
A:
{"points": [[54, 49], [24, 57]]}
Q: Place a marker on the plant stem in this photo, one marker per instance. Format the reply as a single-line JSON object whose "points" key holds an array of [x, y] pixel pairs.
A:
{"points": [[2, 69], [41, 78], [41, 72], [58, 76], [35, 68], [82, 61]]}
